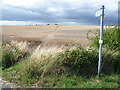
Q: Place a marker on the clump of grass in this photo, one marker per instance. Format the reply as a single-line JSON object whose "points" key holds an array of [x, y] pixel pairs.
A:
{"points": [[21, 46], [41, 62], [13, 52]]}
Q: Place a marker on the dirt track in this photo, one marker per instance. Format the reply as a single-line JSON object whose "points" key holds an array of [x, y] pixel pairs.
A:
{"points": [[49, 34]]}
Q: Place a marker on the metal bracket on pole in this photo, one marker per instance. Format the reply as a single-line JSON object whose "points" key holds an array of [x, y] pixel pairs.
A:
{"points": [[100, 41]]}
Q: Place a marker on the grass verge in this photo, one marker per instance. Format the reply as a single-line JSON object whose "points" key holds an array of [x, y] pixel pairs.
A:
{"points": [[63, 81], [65, 68]]}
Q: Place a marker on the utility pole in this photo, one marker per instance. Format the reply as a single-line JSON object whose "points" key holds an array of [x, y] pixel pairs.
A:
{"points": [[100, 13]]}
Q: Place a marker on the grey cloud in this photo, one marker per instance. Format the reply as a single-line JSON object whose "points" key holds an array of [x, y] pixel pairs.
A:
{"points": [[84, 13]]}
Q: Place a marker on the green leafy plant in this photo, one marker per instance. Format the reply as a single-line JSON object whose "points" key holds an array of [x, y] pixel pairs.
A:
{"points": [[111, 38], [79, 59]]}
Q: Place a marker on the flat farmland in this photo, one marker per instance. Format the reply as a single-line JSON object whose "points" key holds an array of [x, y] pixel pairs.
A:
{"points": [[49, 34]]}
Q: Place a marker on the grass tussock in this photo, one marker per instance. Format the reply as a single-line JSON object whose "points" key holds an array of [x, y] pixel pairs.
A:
{"points": [[41, 61], [13, 52]]}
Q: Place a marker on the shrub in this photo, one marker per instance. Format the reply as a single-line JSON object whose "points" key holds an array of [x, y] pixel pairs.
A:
{"points": [[79, 59], [111, 61], [111, 38], [85, 62]]}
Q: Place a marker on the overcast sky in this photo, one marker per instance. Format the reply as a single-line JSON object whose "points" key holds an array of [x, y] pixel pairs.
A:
{"points": [[65, 12]]}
